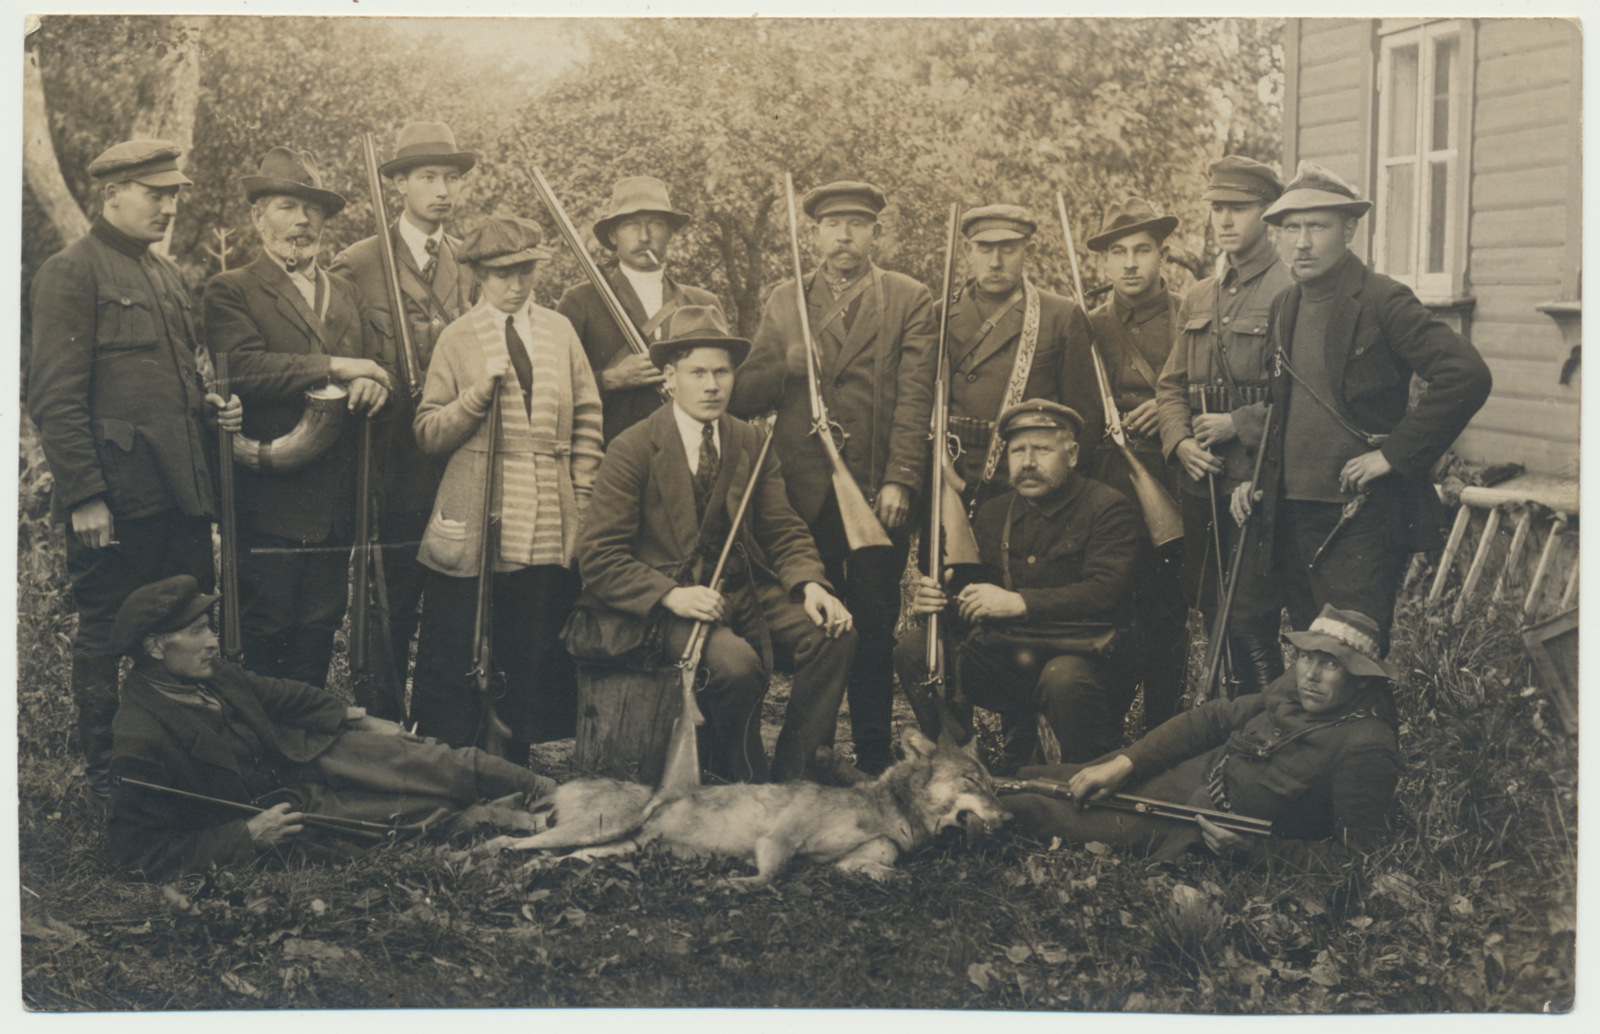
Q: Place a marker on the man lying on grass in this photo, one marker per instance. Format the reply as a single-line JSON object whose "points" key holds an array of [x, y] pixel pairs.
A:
{"points": [[193, 723], [1315, 753]]}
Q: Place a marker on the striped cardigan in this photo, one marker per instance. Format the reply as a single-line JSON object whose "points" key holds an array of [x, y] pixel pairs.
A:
{"points": [[547, 461]]}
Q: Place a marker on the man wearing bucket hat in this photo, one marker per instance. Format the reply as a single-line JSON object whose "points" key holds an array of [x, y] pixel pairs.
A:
{"points": [[1133, 332], [1345, 490], [663, 506], [427, 171], [1039, 624], [1219, 364], [193, 723], [637, 227], [524, 359], [1315, 754], [116, 383], [287, 327], [875, 339], [1009, 341]]}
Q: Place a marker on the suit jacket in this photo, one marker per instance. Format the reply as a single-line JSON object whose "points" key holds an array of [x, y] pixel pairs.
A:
{"points": [[158, 740], [878, 387], [1378, 336], [112, 382], [1116, 337], [407, 478], [641, 538], [604, 344], [278, 349]]}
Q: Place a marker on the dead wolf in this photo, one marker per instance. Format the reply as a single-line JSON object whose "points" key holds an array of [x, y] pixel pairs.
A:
{"points": [[861, 828]]}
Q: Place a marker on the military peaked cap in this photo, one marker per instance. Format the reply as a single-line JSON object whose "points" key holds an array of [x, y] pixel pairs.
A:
{"points": [[1236, 178], [1037, 415], [151, 162]]}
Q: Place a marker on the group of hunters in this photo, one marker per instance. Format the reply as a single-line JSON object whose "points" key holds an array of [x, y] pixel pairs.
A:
{"points": [[1270, 407]]}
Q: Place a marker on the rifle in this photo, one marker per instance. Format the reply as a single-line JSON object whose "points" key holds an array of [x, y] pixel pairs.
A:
{"points": [[682, 770], [861, 527], [1161, 515], [569, 233], [949, 516], [333, 823], [1142, 806], [1219, 627], [492, 730], [410, 363], [376, 684], [232, 646], [1216, 544]]}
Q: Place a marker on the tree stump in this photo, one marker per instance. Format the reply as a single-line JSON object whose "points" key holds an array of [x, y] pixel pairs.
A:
{"points": [[625, 718]]}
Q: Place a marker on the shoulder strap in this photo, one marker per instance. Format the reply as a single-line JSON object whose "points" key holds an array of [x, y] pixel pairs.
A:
{"points": [[1021, 368], [1005, 544]]}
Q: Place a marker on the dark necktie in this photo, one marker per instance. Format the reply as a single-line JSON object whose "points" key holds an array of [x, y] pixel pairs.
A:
{"points": [[520, 363], [706, 476], [431, 246]]}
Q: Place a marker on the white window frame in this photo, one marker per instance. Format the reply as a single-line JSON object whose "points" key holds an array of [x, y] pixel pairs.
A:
{"points": [[1448, 284]]}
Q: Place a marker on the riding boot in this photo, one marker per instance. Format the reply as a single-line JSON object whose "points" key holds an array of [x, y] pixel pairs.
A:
{"points": [[94, 691], [1020, 734], [1257, 660]]}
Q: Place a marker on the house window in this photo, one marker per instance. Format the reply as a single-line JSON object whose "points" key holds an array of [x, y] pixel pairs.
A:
{"points": [[1421, 216]]}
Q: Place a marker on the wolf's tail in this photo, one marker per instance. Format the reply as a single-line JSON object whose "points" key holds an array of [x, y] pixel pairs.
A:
{"points": [[586, 813]]}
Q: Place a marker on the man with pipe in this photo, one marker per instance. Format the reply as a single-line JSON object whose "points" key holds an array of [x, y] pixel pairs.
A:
{"points": [[637, 228], [876, 341], [116, 383], [192, 724], [663, 506]]}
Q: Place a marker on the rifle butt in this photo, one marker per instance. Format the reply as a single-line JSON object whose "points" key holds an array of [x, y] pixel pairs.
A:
{"points": [[861, 526], [960, 544], [1161, 516]]}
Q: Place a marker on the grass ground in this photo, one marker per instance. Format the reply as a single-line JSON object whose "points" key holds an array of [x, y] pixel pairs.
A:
{"points": [[1470, 909]]}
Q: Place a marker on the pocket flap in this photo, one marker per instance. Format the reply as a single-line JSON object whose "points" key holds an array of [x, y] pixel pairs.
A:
{"points": [[1200, 322], [122, 297], [117, 432]]}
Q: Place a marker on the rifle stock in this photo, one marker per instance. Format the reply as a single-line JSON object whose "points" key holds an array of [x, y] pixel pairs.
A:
{"points": [[1150, 806], [861, 525], [1219, 628], [410, 363], [494, 732], [232, 645]]}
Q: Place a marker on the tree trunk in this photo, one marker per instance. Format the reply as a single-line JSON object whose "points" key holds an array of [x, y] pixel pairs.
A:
{"points": [[170, 94], [40, 169]]}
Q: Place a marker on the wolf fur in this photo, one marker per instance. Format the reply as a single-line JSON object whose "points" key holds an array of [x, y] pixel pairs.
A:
{"points": [[862, 828]]}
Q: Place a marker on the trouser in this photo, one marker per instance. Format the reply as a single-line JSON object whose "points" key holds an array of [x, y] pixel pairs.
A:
{"points": [[1082, 697], [403, 578], [1360, 570], [538, 699], [147, 550], [868, 581], [291, 603], [1164, 634], [1257, 608]]}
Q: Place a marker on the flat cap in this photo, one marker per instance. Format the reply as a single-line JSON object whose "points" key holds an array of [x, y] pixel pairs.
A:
{"points": [[1237, 178], [697, 326], [151, 162], [164, 606], [841, 197], [1315, 187], [998, 223], [1129, 216], [504, 240], [1039, 414]]}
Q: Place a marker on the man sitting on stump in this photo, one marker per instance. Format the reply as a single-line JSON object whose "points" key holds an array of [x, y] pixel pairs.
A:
{"points": [[191, 722]]}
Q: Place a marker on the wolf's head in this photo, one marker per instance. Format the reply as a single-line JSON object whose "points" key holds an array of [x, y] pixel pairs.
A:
{"points": [[940, 786]]}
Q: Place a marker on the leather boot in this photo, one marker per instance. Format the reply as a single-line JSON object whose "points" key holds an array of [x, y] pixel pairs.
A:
{"points": [[1257, 660], [94, 691]]}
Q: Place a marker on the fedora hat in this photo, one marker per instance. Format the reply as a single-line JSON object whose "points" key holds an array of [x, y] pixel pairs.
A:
{"points": [[164, 606], [1350, 636], [1314, 186], [426, 143], [294, 173], [1131, 216], [697, 326], [505, 240], [632, 195]]}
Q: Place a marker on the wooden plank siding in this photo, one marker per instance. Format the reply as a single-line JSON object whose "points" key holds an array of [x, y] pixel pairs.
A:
{"points": [[1329, 100]]}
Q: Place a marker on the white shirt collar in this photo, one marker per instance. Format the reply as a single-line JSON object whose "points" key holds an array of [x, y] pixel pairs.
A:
{"points": [[648, 285], [417, 241], [690, 430]]}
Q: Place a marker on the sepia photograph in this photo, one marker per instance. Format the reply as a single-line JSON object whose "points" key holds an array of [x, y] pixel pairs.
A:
{"points": [[1012, 514]]}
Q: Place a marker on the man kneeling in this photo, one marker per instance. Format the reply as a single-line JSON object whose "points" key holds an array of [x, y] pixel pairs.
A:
{"points": [[1315, 754], [191, 722]]}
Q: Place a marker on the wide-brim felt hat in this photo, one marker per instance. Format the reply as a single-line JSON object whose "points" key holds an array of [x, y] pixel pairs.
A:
{"points": [[1316, 187], [1350, 636], [1039, 415], [1129, 216], [633, 195], [504, 240], [843, 197], [164, 606], [697, 326], [426, 143], [284, 171]]}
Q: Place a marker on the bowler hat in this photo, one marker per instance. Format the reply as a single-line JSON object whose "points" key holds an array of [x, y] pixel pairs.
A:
{"points": [[151, 162], [842, 197], [164, 606], [1315, 187], [997, 223], [504, 240], [426, 143], [696, 326], [1039, 414], [632, 195], [1350, 636], [294, 173], [1131, 216], [1237, 178]]}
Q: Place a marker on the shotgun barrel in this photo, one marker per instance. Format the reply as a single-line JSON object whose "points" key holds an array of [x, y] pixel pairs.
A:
{"points": [[493, 732], [333, 823], [232, 644], [374, 681], [1141, 806], [410, 364]]}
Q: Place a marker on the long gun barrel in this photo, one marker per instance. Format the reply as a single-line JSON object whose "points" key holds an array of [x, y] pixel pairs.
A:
{"points": [[1219, 627], [1142, 806], [375, 682], [410, 364], [495, 732], [861, 525], [569, 233], [232, 643], [334, 823]]}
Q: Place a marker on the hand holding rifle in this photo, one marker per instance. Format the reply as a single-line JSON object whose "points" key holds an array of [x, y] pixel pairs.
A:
{"points": [[410, 363]]}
